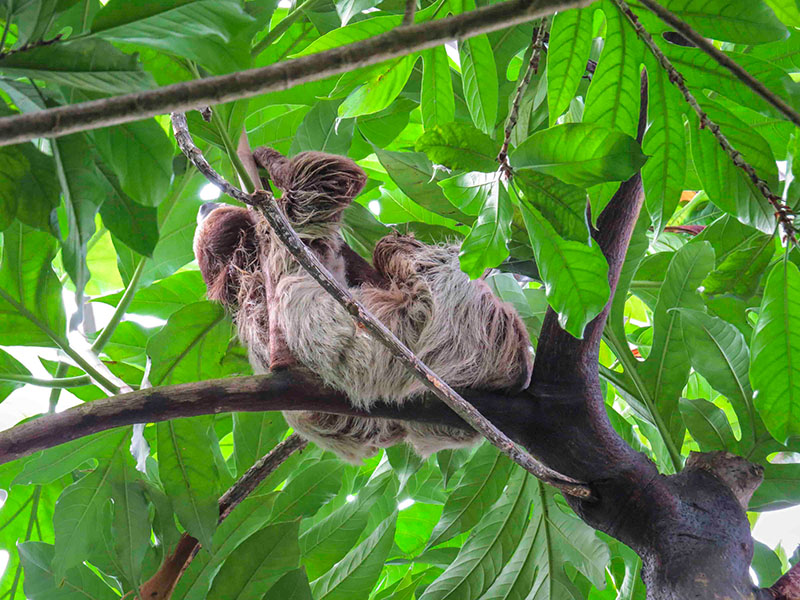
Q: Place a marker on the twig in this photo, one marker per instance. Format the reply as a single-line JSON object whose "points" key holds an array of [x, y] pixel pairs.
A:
{"points": [[162, 583], [783, 213], [537, 45], [27, 46], [266, 205], [188, 95], [788, 585], [56, 382], [411, 10], [723, 59]]}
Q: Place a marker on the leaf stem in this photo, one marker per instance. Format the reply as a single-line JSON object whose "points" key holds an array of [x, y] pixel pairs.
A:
{"points": [[281, 27], [56, 382], [120, 310]]}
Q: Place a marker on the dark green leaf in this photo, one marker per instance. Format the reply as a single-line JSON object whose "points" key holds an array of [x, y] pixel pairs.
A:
{"points": [[459, 146], [738, 21], [436, 95], [307, 491], [486, 245], [41, 581], [164, 298], [708, 425], [563, 205], [323, 131]]}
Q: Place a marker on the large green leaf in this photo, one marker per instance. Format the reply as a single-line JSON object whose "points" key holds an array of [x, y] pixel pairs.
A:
{"points": [[739, 21], [486, 245], [468, 192], [382, 127], [88, 64], [459, 146], [307, 491], [787, 11], [489, 546], [436, 94], [719, 352], [570, 43], [667, 367], [708, 425], [10, 366], [554, 537], [41, 581], [740, 272], [563, 205], [165, 297], [613, 96], [202, 30], [485, 477], [191, 345], [255, 434], [380, 90], [258, 563], [30, 293], [189, 474], [322, 130], [479, 79], [575, 275], [775, 350], [37, 194], [135, 149], [582, 154], [664, 172], [13, 166], [356, 574], [130, 525]]}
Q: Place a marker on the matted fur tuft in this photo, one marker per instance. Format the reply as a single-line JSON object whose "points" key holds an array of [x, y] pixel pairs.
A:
{"points": [[456, 326]]}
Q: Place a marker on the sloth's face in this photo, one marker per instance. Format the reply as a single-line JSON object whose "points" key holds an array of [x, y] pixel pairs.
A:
{"points": [[226, 247]]}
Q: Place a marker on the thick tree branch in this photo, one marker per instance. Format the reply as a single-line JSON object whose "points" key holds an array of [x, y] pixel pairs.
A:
{"points": [[788, 586], [783, 213], [723, 59], [263, 201], [279, 76]]}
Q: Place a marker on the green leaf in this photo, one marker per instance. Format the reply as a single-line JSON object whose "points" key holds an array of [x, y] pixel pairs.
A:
{"points": [[786, 10], [355, 575], [469, 192], [255, 434], [258, 563], [666, 369], [570, 43], [11, 366], [479, 78], [486, 245], [485, 477], [354, 32], [708, 425], [48, 465], [413, 174], [34, 19], [664, 142], [738, 21], [309, 490], [133, 149], [131, 524], [191, 346], [13, 166], [450, 461], [189, 474], [719, 352], [726, 184], [379, 91], [276, 129], [347, 9], [775, 350], [292, 586], [554, 537], [613, 96], [563, 205], [575, 275], [437, 101], [780, 488], [459, 146], [81, 511], [740, 272], [322, 130], [41, 581], [404, 461], [383, 127], [489, 546], [38, 191], [207, 31], [582, 154], [165, 297], [30, 293], [326, 542], [88, 64]]}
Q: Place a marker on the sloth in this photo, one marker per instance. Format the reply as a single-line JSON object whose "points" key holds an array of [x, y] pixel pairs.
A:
{"points": [[456, 326]]}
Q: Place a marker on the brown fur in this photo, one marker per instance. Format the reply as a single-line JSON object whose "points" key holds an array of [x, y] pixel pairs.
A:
{"points": [[456, 326]]}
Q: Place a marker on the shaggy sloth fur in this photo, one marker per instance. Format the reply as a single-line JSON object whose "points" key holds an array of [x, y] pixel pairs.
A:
{"points": [[456, 326]]}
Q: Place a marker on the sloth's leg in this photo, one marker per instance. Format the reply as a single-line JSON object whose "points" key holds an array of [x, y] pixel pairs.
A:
{"points": [[351, 438]]}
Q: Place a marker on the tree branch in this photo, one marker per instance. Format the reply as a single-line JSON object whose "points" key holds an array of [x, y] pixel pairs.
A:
{"points": [[279, 76], [788, 586], [263, 201], [723, 59], [783, 213]]}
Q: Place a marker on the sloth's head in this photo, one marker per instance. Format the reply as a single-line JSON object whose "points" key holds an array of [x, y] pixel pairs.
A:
{"points": [[226, 248]]}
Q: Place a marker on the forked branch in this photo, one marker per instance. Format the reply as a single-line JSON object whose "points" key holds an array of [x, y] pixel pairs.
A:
{"points": [[266, 205]]}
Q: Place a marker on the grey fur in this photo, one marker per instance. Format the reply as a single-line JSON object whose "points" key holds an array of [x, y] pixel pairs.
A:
{"points": [[456, 326]]}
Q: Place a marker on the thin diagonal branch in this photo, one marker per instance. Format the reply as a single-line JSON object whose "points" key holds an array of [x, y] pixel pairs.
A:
{"points": [[788, 585], [723, 59], [537, 45], [266, 205], [411, 10], [783, 213], [400, 41]]}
